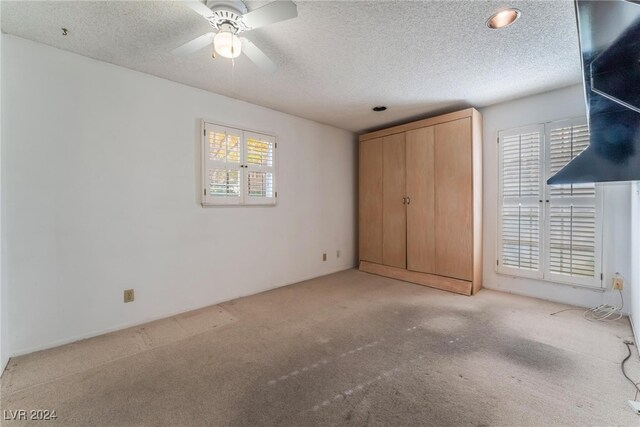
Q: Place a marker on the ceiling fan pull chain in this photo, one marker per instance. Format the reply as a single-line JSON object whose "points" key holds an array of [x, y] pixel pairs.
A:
{"points": [[233, 74]]}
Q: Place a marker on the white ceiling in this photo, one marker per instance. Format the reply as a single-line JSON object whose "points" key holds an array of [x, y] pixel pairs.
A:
{"points": [[336, 60]]}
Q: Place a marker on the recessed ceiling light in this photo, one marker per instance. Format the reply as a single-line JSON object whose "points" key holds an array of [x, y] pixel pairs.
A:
{"points": [[379, 108], [504, 18]]}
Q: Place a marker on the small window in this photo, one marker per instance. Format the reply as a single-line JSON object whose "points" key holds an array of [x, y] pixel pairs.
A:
{"points": [[239, 167]]}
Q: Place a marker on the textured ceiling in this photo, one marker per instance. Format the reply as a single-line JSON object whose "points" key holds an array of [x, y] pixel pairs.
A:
{"points": [[336, 60]]}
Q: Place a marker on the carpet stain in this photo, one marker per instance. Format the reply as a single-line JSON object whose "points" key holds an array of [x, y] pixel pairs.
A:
{"points": [[401, 354]]}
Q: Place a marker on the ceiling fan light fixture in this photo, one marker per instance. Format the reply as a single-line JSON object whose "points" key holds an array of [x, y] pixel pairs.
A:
{"points": [[503, 19], [229, 19], [227, 44]]}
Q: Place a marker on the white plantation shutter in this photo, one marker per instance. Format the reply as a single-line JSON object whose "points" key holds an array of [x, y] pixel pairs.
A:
{"points": [[567, 139], [547, 232], [521, 237], [239, 167], [520, 172], [222, 165], [573, 211], [259, 183]]}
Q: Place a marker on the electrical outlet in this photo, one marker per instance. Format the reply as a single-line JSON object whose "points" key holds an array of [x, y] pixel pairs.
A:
{"points": [[618, 282], [337, 254], [129, 295], [324, 257]]}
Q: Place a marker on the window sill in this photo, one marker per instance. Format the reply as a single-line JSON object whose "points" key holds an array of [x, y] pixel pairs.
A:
{"points": [[599, 289], [222, 205]]}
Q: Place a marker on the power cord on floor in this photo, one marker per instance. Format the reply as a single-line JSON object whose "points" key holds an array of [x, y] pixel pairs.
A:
{"points": [[629, 344], [601, 313], [605, 312], [566, 309], [610, 313]]}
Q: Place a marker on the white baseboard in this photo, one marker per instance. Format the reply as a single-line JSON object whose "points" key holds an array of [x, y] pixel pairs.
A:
{"points": [[3, 365], [119, 327], [635, 335]]}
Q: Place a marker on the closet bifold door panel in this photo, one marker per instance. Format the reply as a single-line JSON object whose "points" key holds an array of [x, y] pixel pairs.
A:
{"points": [[421, 205], [370, 200], [394, 216], [421, 239], [454, 199]]}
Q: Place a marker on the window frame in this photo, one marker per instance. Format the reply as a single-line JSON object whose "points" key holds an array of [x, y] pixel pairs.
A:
{"points": [[248, 167], [512, 271], [596, 281], [543, 273], [208, 200]]}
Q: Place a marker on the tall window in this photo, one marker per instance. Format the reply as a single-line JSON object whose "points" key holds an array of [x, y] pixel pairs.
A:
{"points": [[547, 232], [238, 167]]}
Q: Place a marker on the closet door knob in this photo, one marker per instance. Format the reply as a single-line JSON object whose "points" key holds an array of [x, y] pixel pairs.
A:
{"points": [[408, 200], [404, 200]]}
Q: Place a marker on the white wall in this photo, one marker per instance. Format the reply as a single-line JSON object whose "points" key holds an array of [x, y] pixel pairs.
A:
{"points": [[550, 106], [4, 348], [635, 258], [102, 194]]}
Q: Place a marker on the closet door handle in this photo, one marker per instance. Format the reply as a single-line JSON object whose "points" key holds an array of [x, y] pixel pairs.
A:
{"points": [[404, 200], [408, 200]]}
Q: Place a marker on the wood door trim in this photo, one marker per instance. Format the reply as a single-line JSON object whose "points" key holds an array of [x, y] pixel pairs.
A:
{"points": [[458, 286], [476, 149], [394, 213], [421, 244], [370, 201], [453, 157], [419, 124]]}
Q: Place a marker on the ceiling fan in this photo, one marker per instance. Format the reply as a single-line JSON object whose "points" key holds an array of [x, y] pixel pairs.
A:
{"points": [[231, 18]]}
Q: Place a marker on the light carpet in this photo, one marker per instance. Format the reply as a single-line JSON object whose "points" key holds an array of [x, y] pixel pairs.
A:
{"points": [[345, 349]]}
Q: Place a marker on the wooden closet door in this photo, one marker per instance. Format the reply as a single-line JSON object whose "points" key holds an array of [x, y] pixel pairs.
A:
{"points": [[370, 205], [394, 215], [421, 239], [453, 196]]}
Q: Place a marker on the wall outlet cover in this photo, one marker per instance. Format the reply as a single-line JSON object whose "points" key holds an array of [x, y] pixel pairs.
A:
{"points": [[324, 257], [618, 282]]}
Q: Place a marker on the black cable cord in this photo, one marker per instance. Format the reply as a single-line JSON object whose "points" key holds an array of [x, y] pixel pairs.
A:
{"points": [[622, 367]]}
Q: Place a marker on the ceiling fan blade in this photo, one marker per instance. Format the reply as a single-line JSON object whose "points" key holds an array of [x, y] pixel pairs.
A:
{"points": [[258, 57], [199, 8], [279, 10], [194, 45]]}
